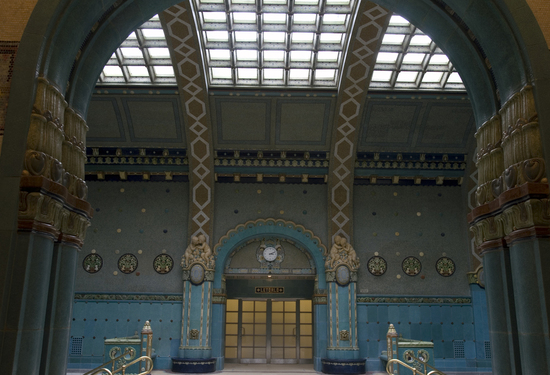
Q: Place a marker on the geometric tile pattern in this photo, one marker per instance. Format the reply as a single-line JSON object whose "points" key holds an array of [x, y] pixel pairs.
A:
{"points": [[364, 45], [190, 78], [8, 50]]}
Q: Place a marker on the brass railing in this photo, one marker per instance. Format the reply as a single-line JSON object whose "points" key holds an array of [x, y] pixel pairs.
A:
{"points": [[413, 369], [102, 369]]}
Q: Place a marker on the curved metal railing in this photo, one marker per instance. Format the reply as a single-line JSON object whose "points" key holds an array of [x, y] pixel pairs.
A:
{"points": [[102, 369], [414, 369]]}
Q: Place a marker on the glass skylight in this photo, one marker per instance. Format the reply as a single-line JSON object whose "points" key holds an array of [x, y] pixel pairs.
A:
{"points": [[287, 43], [409, 59], [274, 43], [143, 58]]}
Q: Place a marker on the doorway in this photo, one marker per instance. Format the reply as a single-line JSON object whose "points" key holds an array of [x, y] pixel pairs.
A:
{"points": [[269, 331]]}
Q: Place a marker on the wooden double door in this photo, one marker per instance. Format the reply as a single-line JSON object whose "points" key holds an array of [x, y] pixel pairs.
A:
{"points": [[269, 331]]}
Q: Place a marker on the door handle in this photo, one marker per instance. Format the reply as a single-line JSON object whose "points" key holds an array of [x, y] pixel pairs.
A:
{"points": [[243, 331]]}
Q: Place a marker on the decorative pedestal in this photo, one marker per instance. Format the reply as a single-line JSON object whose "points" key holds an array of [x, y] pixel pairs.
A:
{"points": [[343, 366], [193, 365]]}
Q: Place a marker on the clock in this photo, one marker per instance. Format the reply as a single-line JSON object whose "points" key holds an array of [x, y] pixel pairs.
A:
{"points": [[270, 253]]}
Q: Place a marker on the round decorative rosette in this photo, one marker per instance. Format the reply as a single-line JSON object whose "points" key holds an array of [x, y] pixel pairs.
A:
{"points": [[411, 266], [92, 263], [127, 263], [377, 265], [197, 274], [163, 263], [445, 266]]}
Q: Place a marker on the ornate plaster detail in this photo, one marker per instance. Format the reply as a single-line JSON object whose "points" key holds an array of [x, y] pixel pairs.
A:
{"points": [[342, 253], [270, 222], [198, 251], [415, 300]]}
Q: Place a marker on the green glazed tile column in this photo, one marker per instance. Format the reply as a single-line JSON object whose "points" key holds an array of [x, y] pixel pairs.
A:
{"points": [[60, 307]]}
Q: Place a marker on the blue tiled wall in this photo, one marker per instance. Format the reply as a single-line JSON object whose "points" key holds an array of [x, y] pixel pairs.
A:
{"points": [[95, 320], [438, 323]]}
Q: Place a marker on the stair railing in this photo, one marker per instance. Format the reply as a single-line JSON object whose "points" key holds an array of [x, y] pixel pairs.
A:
{"points": [[389, 367], [102, 369]]}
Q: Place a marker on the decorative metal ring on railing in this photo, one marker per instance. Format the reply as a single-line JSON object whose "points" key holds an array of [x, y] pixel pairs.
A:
{"points": [[103, 368], [413, 369]]}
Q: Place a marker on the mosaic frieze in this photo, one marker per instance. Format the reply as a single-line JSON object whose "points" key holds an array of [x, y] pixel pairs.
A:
{"points": [[92, 263], [163, 264], [411, 266], [415, 300], [445, 266], [127, 263], [377, 265], [129, 297]]}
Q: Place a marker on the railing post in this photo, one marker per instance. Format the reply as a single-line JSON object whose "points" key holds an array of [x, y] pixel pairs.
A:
{"points": [[391, 338], [146, 343]]}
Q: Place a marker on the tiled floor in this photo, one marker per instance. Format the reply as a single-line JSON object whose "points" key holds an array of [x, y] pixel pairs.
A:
{"points": [[234, 368]]}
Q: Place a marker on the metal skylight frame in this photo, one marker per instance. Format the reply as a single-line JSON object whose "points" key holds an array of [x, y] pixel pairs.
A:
{"points": [[264, 43], [143, 58], [409, 60]]}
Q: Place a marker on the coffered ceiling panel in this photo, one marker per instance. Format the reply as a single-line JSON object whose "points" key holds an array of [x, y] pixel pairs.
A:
{"points": [[302, 122]]}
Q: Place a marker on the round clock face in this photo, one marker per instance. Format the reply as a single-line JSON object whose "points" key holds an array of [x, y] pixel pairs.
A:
{"points": [[270, 253]]}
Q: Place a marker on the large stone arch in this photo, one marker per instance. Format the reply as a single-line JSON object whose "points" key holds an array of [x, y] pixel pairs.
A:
{"points": [[275, 227]]}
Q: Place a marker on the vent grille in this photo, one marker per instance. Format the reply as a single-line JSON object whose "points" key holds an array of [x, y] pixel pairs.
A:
{"points": [[76, 346], [458, 346], [487, 346]]}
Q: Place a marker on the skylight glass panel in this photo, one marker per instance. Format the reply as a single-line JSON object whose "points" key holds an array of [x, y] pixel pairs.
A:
{"points": [[244, 17], [247, 73], [299, 74], [217, 36], [138, 71], [275, 74], [325, 74], [274, 37], [287, 41], [247, 55], [454, 78], [439, 60], [221, 73], [300, 55], [407, 76], [331, 38], [431, 77], [381, 75], [275, 18], [245, 36], [159, 53], [398, 21], [334, 19], [393, 39], [112, 71], [131, 53], [132, 36], [164, 71], [407, 61], [219, 54], [153, 33], [274, 55], [302, 37], [386, 57], [421, 40], [414, 58], [327, 56], [214, 17], [305, 18]]}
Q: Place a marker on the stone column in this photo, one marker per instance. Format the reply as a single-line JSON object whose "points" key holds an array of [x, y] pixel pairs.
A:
{"points": [[60, 306], [511, 226]]}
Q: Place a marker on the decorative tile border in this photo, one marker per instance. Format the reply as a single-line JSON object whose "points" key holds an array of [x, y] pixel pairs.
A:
{"points": [[414, 300], [128, 297]]}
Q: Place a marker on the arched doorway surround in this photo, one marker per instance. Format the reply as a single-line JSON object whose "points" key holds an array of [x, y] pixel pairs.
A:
{"points": [[275, 228]]}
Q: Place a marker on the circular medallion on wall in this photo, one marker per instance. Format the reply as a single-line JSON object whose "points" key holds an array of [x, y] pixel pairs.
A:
{"points": [[163, 263], [92, 263], [445, 266], [127, 263], [342, 275], [411, 266], [377, 265], [197, 274]]}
